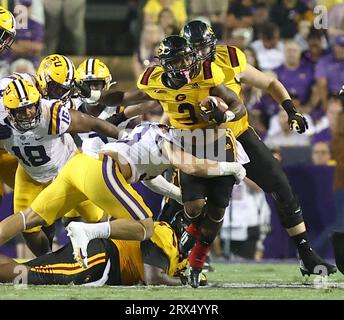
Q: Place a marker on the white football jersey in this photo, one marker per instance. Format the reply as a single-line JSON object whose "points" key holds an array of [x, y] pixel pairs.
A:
{"points": [[44, 150], [142, 148]]}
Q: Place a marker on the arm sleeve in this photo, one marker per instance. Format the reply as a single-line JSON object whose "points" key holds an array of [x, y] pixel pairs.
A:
{"points": [[161, 186], [153, 255]]}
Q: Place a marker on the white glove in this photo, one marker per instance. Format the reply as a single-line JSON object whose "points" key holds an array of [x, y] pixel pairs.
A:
{"points": [[232, 168], [94, 98]]}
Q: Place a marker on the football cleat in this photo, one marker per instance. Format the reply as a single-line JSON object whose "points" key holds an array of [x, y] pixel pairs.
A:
{"points": [[311, 263], [337, 240], [195, 277]]}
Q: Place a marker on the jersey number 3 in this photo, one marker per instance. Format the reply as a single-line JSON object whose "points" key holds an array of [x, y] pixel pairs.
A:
{"points": [[188, 107], [36, 155]]}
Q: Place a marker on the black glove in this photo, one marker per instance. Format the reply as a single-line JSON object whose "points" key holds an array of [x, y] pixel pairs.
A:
{"points": [[213, 114], [117, 118], [295, 119], [5, 132], [84, 89]]}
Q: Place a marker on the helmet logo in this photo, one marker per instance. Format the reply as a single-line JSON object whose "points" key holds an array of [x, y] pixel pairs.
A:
{"points": [[163, 49], [210, 30]]}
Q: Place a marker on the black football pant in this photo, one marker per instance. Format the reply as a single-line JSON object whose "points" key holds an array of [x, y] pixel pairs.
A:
{"points": [[267, 172], [59, 268]]}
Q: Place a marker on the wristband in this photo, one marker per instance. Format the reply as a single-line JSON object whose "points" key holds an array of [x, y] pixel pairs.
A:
{"points": [[288, 106]]}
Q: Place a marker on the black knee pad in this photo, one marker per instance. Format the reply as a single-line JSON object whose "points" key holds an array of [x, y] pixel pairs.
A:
{"points": [[290, 212]]}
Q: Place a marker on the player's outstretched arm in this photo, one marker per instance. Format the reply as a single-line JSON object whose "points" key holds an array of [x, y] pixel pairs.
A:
{"points": [[231, 99], [189, 164], [278, 92], [161, 186], [132, 111], [155, 276], [81, 122], [115, 98]]}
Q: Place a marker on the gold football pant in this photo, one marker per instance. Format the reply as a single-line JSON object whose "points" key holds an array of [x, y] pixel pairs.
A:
{"points": [[100, 181]]}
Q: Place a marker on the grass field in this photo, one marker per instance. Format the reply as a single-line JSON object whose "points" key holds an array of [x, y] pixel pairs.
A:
{"points": [[229, 281]]}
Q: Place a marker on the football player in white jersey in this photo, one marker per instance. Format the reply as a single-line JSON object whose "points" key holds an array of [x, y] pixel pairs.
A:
{"points": [[145, 154], [40, 140]]}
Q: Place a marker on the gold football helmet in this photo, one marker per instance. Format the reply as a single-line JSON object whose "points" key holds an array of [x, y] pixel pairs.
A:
{"points": [[23, 103], [95, 73], [56, 77], [7, 29]]}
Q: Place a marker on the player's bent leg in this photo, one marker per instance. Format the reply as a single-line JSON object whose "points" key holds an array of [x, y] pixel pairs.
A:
{"points": [[106, 187], [267, 172], [122, 229]]}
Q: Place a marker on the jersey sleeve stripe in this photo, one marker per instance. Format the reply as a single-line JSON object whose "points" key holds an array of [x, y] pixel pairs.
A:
{"points": [[58, 119], [52, 124], [146, 75], [207, 70], [233, 57]]}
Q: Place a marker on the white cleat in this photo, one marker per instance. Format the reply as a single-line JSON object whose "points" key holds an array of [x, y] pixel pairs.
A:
{"points": [[80, 240]]}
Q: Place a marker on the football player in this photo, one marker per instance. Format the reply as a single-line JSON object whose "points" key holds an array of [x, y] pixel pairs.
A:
{"points": [[112, 262], [181, 83], [40, 140], [262, 168], [145, 154], [7, 29]]}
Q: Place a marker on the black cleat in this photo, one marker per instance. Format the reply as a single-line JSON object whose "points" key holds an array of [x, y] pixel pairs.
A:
{"points": [[186, 243], [311, 263], [337, 240], [195, 277]]}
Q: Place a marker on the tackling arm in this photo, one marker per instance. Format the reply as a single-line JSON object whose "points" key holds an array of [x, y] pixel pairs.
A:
{"points": [[81, 122], [156, 276], [115, 98], [189, 164]]}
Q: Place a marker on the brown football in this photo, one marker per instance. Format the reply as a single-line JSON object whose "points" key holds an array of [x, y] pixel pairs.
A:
{"points": [[207, 102]]}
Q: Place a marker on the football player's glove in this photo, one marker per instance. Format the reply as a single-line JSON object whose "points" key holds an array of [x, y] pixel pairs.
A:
{"points": [[295, 119]]}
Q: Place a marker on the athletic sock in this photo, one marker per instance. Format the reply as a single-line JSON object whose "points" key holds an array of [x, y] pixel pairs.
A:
{"points": [[198, 255], [302, 243], [194, 231]]}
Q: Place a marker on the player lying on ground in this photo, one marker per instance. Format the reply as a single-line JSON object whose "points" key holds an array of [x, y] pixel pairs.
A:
{"points": [[111, 262], [106, 182], [39, 138]]}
